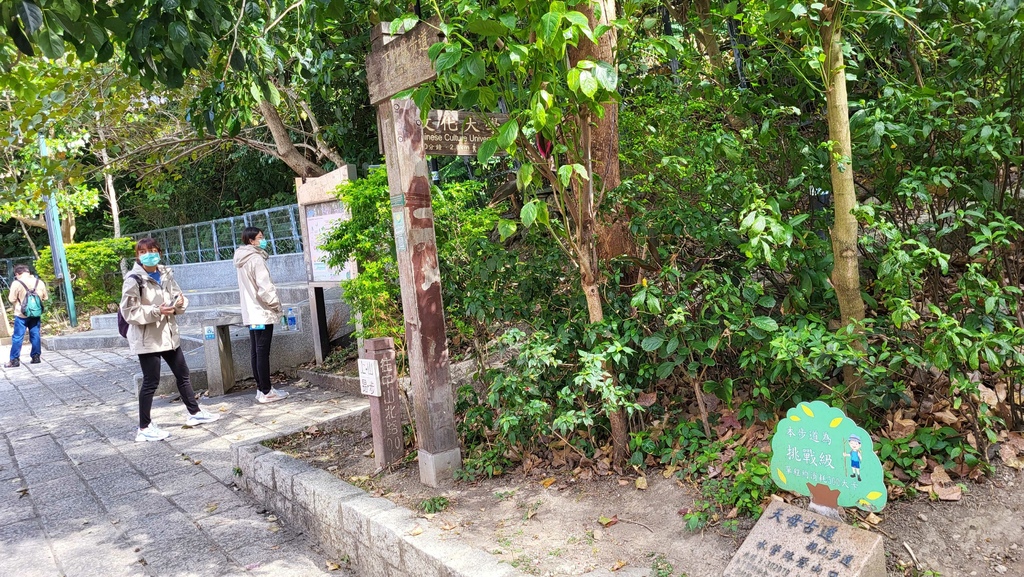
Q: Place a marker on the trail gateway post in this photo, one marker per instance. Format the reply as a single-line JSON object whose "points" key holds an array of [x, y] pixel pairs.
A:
{"points": [[398, 62]]}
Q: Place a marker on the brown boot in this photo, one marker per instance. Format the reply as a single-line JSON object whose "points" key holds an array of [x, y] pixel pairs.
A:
{"points": [[13, 363]]}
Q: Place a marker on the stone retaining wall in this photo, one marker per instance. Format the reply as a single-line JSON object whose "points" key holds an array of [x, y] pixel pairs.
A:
{"points": [[376, 535]]}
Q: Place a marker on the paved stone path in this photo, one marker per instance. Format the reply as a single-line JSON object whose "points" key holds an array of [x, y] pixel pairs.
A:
{"points": [[79, 497]]}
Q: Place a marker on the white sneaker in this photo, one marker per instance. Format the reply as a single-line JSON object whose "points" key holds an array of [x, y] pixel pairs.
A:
{"points": [[272, 396], [201, 418], [151, 433]]}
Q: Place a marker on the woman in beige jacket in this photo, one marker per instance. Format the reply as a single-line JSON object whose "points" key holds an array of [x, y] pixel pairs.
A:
{"points": [[261, 308], [150, 299]]}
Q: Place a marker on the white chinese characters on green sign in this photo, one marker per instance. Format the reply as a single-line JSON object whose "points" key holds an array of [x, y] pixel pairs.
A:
{"points": [[819, 452]]}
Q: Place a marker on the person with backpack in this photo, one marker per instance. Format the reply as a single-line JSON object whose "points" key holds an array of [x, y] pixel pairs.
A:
{"points": [[27, 295], [150, 301], [261, 308]]}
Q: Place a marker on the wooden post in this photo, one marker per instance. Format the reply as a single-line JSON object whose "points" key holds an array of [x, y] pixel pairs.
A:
{"points": [[5, 328], [220, 365], [416, 249], [380, 382]]}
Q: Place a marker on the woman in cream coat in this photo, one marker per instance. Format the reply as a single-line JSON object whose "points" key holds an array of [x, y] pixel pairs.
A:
{"points": [[261, 308], [150, 300]]}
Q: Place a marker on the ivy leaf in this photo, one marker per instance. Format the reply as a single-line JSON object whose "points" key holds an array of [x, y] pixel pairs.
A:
{"points": [[507, 133], [447, 59], [506, 228], [50, 44], [607, 76], [798, 10], [652, 343], [487, 28], [588, 83], [178, 33], [253, 10], [20, 40], [528, 214], [31, 16], [95, 34], [487, 150], [766, 324], [237, 60], [549, 24]]}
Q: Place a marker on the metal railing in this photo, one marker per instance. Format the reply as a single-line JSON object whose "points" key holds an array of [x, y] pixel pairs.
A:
{"points": [[7, 267], [217, 239]]}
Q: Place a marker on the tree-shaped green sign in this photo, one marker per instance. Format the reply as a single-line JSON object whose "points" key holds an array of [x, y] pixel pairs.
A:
{"points": [[818, 451]]}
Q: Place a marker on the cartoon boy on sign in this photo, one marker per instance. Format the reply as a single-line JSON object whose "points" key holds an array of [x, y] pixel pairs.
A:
{"points": [[854, 456]]}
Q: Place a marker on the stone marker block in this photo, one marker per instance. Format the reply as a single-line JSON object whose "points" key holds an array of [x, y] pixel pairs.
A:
{"points": [[793, 542]]}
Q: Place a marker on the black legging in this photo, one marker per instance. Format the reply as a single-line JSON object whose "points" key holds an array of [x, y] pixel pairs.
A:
{"points": [[150, 362], [259, 355]]}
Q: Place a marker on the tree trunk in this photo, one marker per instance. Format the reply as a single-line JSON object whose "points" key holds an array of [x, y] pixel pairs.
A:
{"points": [[67, 228], [590, 278], [28, 237], [108, 189], [286, 150], [845, 270], [704, 32]]}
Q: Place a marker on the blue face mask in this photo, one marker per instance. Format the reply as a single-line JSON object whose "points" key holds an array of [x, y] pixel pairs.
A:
{"points": [[150, 259], [263, 243]]}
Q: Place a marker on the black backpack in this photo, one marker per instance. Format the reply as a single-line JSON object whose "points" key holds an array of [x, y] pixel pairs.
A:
{"points": [[122, 325]]}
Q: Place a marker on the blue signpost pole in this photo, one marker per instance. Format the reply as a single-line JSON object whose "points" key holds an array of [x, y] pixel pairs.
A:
{"points": [[60, 259]]}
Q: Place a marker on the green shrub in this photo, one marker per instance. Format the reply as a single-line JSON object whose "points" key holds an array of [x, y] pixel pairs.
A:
{"points": [[95, 269]]}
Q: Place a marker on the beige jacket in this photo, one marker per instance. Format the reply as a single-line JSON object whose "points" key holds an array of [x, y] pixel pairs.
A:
{"points": [[148, 330], [258, 295], [18, 292]]}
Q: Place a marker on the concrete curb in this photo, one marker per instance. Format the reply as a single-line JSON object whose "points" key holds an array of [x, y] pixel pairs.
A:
{"points": [[372, 532]]}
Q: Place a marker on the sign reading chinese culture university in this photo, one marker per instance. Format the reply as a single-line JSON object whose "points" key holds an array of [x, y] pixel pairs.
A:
{"points": [[457, 132], [819, 452]]}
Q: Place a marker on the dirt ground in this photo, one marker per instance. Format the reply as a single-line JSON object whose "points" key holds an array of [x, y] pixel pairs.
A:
{"points": [[549, 523]]}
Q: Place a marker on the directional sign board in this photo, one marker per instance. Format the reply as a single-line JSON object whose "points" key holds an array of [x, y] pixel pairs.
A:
{"points": [[403, 62], [458, 132]]}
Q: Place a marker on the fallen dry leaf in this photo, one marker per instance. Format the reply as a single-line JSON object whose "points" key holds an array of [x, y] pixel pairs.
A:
{"points": [[618, 565], [669, 471], [733, 513], [332, 566], [902, 428], [608, 522], [873, 519], [1008, 454], [646, 399], [448, 526], [641, 483], [416, 531], [547, 482], [945, 417], [210, 508], [944, 487]]}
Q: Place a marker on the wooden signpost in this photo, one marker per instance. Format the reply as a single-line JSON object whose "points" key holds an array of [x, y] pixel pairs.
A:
{"points": [[395, 63], [378, 381]]}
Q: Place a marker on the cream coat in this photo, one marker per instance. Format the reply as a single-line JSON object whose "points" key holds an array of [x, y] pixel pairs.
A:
{"points": [[148, 330], [256, 290], [18, 291]]}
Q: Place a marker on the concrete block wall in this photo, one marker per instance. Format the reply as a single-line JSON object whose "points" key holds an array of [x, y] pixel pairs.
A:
{"points": [[284, 269], [376, 535]]}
